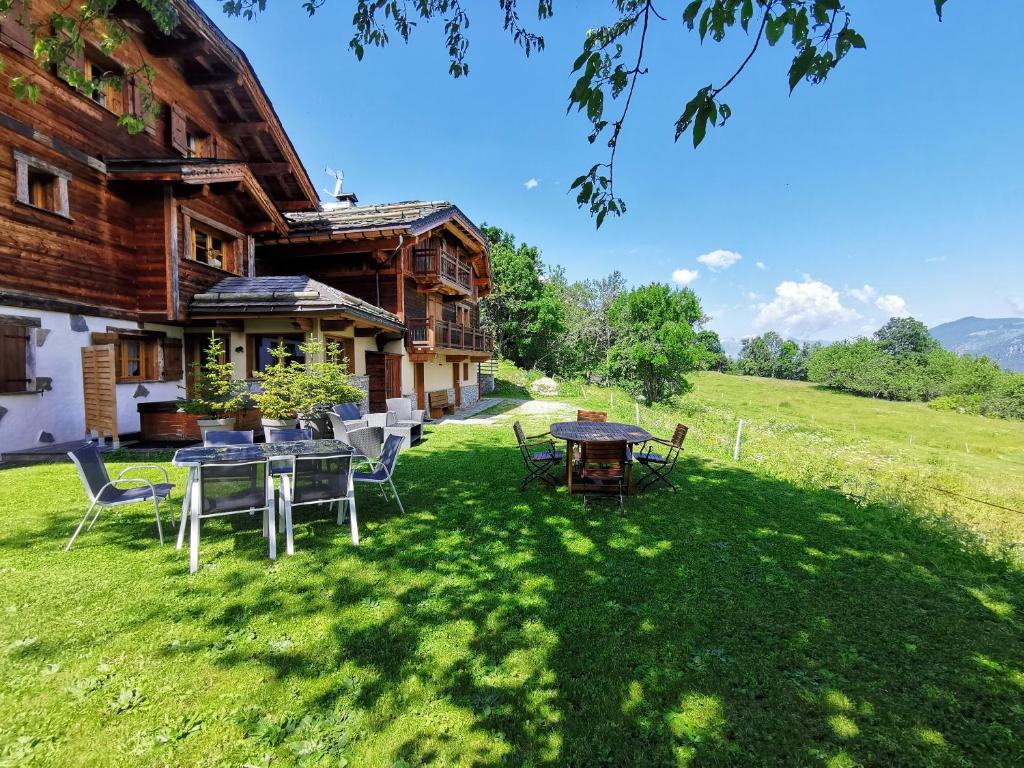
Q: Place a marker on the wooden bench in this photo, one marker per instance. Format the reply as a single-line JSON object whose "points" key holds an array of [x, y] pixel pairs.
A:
{"points": [[440, 404]]}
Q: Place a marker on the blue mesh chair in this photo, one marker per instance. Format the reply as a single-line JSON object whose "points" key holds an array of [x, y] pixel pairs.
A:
{"points": [[384, 469], [228, 437], [280, 466], [319, 480], [233, 488], [104, 492]]}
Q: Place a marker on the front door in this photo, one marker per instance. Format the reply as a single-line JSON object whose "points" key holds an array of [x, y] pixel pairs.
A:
{"points": [[457, 385], [385, 374]]}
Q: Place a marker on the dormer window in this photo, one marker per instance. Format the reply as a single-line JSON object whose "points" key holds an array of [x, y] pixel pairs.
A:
{"points": [[208, 247]]}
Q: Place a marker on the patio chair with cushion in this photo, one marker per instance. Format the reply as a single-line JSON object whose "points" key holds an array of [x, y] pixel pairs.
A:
{"points": [[228, 437], [367, 442], [603, 469], [384, 470], [538, 463], [659, 465], [388, 422], [348, 411], [342, 426], [232, 488], [318, 480], [104, 492], [582, 415], [406, 417], [285, 435]]}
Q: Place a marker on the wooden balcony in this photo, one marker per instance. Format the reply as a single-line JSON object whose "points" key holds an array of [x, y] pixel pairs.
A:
{"points": [[437, 268], [430, 335]]}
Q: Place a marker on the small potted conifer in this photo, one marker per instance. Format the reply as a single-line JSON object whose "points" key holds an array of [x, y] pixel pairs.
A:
{"points": [[216, 395], [294, 391]]}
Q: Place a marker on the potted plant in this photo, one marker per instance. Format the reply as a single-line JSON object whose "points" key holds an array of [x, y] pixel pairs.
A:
{"points": [[217, 395], [304, 391]]}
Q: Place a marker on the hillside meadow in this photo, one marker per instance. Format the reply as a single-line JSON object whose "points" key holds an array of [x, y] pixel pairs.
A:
{"points": [[902, 454]]}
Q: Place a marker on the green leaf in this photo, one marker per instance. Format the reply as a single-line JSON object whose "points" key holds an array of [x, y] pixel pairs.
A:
{"points": [[801, 66], [690, 14], [938, 7], [746, 14], [774, 28]]}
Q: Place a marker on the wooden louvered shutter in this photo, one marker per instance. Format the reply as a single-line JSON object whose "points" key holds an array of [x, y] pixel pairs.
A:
{"points": [[173, 360], [179, 129], [14, 341], [136, 86], [15, 31], [99, 390]]}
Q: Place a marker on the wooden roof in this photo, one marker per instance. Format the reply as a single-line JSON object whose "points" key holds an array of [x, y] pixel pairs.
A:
{"points": [[216, 67], [237, 177]]}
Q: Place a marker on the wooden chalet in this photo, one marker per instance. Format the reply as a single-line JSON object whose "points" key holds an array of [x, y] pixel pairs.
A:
{"points": [[425, 262], [119, 253]]}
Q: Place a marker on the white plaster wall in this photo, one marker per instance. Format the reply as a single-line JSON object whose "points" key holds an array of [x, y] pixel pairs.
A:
{"points": [[61, 412]]}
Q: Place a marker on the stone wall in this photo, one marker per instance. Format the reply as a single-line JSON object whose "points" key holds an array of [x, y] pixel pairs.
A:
{"points": [[470, 394], [363, 382], [486, 383]]}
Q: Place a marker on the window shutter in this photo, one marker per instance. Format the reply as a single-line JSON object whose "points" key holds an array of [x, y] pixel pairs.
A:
{"points": [[14, 341], [15, 31], [97, 337], [138, 109], [173, 365], [179, 140], [75, 60], [350, 353]]}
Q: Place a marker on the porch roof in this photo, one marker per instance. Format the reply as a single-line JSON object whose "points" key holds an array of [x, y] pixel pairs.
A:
{"points": [[285, 295]]}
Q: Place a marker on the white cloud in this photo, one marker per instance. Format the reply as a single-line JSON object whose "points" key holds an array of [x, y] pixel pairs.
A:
{"points": [[760, 265], [1017, 305], [864, 295], [718, 260], [894, 305], [684, 276], [531, 183], [803, 308], [934, 259]]}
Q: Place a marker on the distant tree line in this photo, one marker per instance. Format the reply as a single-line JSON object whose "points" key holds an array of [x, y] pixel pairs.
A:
{"points": [[643, 339], [902, 361]]}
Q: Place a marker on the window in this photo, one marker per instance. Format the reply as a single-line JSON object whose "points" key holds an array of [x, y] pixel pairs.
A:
{"points": [[136, 358], [465, 371], [41, 185], [208, 247], [109, 86], [197, 144], [15, 351], [261, 344]]}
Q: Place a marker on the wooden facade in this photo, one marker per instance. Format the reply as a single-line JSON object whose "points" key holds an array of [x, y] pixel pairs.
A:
{"points": [[119, 245]]}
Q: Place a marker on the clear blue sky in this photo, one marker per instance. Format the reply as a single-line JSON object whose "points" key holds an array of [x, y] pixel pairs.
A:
{"points": [[903, 172]]}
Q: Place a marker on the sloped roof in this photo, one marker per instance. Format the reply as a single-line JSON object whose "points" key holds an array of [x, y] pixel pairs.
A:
{"points": [[410, 217], [285, 294]]}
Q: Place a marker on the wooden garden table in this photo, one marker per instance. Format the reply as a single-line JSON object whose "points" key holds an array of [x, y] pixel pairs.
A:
{"points": [[575, 432]]}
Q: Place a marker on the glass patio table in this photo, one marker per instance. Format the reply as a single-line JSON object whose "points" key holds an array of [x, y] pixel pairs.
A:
{"points": [[198, 455], [575, 432]]}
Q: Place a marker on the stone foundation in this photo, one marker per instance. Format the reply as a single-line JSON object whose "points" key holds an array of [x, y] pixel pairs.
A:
{"points": [[486, 383]]}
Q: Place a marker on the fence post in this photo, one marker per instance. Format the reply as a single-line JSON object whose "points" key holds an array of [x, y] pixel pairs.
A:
{"points": [[739, 437], [638, 414]]}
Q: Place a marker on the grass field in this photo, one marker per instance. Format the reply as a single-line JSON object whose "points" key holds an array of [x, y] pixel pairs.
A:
{"points": [[758, 617]]}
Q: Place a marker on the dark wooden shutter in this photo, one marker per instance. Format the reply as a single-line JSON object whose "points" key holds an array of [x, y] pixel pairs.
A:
{"points": [[136, 87], [98, 337], [350, 353], [14, 341], [75, 60], [179, 129], [173, 364], [15, 31]]}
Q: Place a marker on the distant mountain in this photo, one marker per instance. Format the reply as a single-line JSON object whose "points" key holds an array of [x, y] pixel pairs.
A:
{"points": [[1000, 339]]}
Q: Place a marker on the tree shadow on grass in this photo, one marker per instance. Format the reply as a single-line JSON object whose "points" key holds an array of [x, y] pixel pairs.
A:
{"points": [[741, 621]]}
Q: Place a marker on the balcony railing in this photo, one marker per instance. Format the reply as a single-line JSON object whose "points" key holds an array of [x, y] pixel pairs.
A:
{"points": [[439, 262], [428, 333]]}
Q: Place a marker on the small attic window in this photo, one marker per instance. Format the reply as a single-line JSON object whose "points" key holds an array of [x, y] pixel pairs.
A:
{"points": [[41, 185]]}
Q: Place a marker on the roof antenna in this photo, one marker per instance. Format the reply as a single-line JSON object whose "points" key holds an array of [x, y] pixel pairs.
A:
{"points": [[345, 199]]}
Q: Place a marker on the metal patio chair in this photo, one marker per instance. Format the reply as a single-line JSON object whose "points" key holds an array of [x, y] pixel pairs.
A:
{"points": [[660, 466], [231, 488], [285, 435], [319, 480], [538, 463], [384, 469], [228, 437], [604, 464], [104, 492]]}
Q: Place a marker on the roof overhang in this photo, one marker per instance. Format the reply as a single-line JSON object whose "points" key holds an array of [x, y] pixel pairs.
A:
{"points": [[201, 173]]}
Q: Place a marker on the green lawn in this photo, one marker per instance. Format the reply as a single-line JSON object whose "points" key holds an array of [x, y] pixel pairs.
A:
{"points": [[755, 618]]}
